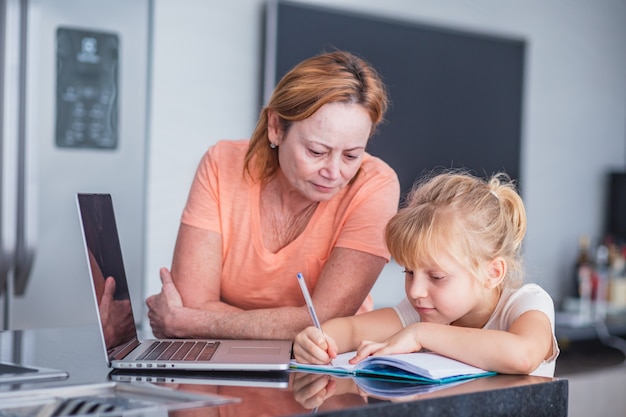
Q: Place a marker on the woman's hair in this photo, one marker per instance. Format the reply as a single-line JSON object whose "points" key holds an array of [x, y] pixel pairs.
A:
{"points": [[473, 220], [327, 78]]}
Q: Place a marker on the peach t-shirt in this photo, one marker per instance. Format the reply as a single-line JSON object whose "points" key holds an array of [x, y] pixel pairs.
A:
{"points": [[223, 200]]}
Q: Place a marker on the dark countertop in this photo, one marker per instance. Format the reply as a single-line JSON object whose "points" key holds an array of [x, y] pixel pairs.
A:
{"points": [[79, 351]]}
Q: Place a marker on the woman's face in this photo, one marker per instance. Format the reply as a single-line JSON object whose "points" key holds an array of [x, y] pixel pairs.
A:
{"points": [[320, 155]]}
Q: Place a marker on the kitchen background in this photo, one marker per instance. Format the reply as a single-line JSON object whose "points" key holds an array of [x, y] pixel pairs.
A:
{"points": [[206, 69], [190, 74]]}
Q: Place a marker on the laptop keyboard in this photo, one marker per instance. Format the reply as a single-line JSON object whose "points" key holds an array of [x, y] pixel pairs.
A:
{"points": [[180, 351]]}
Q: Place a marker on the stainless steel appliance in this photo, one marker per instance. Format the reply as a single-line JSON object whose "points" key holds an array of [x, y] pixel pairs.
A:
{"points": [[73, 116]]}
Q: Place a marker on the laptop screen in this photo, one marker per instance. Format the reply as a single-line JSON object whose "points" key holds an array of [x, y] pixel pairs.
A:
{"points": [[105, 260]]}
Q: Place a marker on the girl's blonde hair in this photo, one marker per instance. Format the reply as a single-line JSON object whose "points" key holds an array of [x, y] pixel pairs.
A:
{"points": [[473, 220], [327, 78]]}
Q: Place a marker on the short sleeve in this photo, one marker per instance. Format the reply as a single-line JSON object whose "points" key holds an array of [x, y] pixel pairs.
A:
{"points": [[406, 312], [218, 176], [528, 298]]}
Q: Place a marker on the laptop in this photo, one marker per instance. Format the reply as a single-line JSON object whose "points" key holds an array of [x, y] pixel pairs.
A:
{"points": [[123, 348], [12, 373], [252, 379]]}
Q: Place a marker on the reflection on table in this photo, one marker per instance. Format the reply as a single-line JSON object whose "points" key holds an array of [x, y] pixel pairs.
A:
{"points": [[79, 351]]}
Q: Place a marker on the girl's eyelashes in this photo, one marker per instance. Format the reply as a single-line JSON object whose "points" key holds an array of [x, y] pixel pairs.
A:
{"points": [[433, 276]]}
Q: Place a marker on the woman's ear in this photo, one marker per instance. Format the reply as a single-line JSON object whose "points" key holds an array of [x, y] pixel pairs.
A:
{"points": [[497, 272], [273, 128]]}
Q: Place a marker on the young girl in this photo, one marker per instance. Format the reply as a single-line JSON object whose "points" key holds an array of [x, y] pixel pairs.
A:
{"points": [[459, 238]]}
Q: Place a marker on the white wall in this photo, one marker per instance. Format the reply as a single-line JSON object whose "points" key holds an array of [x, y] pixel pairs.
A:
{"points": [[206, 86]]}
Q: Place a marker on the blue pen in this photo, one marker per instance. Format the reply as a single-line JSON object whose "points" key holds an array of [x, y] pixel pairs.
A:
{"points": [[309, 303]]}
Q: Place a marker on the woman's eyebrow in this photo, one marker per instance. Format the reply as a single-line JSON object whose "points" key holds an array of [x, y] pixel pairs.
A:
{"points": [[330, 147]]}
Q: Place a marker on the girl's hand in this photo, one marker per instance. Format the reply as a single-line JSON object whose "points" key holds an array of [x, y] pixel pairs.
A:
{"points": [[313, 346], [311, 390], [405, 341]]}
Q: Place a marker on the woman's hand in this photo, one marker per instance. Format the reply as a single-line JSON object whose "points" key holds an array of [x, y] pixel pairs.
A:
{"points": [[313, 346], [164, 308]]}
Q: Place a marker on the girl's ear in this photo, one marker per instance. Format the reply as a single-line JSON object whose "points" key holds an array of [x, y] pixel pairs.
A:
{"points": [[497, 272], [273, 128]]}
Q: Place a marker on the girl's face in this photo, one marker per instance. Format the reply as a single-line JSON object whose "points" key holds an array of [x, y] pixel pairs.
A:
{"points": [[447, 294], [320, 155]]}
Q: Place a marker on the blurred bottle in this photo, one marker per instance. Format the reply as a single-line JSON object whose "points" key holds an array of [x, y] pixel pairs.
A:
{"points": [[584, 265], [617, 278], [584, 273], [600, 283]]}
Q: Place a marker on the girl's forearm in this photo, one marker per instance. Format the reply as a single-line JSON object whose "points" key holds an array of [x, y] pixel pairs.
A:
{"points": [[349, 332], [493, 350]]}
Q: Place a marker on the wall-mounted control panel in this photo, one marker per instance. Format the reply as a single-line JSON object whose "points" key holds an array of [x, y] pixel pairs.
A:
{"points": [[87, 89]]}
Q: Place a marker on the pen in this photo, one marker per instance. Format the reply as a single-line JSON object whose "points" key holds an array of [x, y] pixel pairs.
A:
{"points": [[309, 303]]}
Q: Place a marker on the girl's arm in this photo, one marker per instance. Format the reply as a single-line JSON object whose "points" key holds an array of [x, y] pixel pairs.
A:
{"points": [[344, 334], [520, 350], [377, 325]]}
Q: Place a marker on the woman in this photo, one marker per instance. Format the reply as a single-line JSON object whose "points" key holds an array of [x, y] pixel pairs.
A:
{"points": [[301, 195]]}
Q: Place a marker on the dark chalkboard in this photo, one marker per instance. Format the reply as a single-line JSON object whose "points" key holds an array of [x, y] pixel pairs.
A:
{"points": [[456, 96]]}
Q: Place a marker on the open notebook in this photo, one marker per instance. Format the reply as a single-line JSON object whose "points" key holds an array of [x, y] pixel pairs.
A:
{"points": [[424, 367], [123, 348]]}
